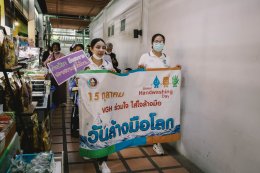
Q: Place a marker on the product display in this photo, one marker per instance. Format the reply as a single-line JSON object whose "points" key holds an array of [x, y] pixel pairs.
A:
{"points": [[29, 52], [7, 130], [33, 163], [24, 105], [21, 90], [10, 151], [46, 141]]}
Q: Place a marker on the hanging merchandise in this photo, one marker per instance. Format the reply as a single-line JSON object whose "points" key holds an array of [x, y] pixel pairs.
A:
{"points": [[29, 89], [25, 97], [46, 142], [31, 143], [35, 131], [7, 54], [1, 96], [8, 100], [22, 95], [20, 92]]}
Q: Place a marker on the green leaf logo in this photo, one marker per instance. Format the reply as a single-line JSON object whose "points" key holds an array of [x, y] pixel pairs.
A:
{"points": [[175, 81]]}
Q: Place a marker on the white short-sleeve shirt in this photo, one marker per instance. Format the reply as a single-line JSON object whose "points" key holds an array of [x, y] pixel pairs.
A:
{"points": [[106, 65], [150, 60], [107, 57]]}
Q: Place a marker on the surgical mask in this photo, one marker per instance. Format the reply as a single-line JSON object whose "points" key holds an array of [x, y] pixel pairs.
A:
{"points": [[158, 47], [96, 57]]}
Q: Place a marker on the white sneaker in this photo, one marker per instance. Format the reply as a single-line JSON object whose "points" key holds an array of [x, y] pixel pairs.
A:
{"points": [[86, 158], [104, 168], [158, 149]]}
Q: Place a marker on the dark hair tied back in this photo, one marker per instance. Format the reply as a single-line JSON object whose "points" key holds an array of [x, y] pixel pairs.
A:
{"points": [[79, 45], [57, 44], [155, 35], [95, 40]]}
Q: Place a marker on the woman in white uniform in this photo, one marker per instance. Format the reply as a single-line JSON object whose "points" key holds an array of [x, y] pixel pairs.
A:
{"points": [[155, 59], [98, 48]]}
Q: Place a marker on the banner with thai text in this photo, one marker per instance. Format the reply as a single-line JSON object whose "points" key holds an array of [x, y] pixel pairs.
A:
{"points": [[64, 68], [122, 110]]}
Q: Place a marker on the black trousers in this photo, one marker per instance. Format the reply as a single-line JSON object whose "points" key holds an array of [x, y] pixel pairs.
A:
{"points": [[60, 94], [102, 159]]}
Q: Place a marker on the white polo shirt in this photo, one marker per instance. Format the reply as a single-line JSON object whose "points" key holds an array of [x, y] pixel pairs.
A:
{"points": [[106, 65], [150, 60]]}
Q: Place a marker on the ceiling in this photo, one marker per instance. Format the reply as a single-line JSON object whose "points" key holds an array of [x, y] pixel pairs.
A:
{"points": [[66, 23], [72, 14]]}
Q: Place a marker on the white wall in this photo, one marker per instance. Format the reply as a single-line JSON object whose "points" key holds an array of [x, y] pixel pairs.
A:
{"points": [[217, 42], [127, 48]]}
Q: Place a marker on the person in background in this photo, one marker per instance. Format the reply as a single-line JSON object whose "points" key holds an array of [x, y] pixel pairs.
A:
{"points": [[89, 53], [46, 54], [155, 59], [72, 81], [56, 54], [98, 48], [59, 95], [71, 49], [112, 57], [78, 47]]}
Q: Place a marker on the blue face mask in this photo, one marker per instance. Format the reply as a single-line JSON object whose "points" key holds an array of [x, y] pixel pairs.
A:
{"points": [[158, 47]]}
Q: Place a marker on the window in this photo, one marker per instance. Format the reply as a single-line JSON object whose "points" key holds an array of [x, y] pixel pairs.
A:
{"points": [[108, 32], [112, 29], [122, 28]]}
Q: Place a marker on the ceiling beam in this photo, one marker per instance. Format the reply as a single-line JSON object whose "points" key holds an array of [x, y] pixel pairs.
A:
{"points": [[70, 16], [43, 6]]}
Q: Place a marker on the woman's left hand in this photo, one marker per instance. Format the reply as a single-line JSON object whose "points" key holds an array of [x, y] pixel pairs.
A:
{"points": [[113, 70]]}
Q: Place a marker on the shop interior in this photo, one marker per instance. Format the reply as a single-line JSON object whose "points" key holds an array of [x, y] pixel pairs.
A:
{"points": [[215, 42], [33, 127]]}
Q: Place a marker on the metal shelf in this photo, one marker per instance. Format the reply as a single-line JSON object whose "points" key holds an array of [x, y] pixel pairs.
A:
{"points": [[45, 103], [13, 69]]}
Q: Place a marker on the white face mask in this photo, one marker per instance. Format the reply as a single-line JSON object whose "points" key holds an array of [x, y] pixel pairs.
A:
{"points": [[158, 47], [96, 57]]}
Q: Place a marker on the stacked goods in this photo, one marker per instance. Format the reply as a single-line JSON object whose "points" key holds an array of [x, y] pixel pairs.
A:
{"points": [[7, 130], [28, 163]]}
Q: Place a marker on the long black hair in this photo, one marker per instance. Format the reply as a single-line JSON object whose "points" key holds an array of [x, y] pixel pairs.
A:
{"points": [[79, 45]]}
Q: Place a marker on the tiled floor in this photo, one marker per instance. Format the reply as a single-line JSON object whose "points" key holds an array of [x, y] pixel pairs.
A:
{"points": [[136, 159]]}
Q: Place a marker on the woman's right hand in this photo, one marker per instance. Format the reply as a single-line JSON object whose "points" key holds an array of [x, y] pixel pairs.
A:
{"points": [[179, 66]]}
